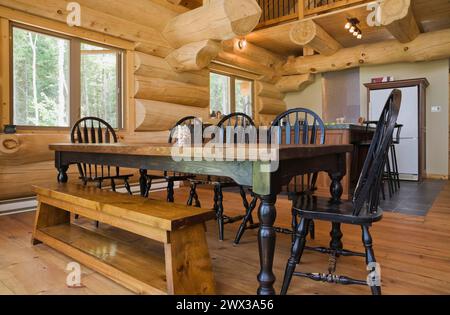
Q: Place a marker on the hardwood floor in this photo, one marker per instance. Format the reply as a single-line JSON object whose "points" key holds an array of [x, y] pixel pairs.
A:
{"points": [[414, 253]]}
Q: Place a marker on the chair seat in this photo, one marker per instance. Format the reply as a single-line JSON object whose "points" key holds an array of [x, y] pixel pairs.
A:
{"points": [[316, 208]]}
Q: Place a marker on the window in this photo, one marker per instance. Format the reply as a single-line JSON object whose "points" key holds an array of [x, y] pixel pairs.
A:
{"points": [[230, 94], [58, 79]]}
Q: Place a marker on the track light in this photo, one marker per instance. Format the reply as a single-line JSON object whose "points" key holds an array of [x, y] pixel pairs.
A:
{"points": [[352, 27]]}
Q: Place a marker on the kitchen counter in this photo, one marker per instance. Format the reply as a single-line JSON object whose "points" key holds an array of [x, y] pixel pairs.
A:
{"points": [[334, 126]]}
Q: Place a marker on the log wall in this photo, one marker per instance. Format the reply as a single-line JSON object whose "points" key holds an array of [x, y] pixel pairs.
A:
{"points": [[157, 93]]}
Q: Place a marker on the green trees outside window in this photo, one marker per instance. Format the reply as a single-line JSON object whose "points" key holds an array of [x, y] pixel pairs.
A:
{"points": [[57, 80]]}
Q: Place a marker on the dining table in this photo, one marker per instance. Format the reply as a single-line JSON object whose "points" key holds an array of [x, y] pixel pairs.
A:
{"points": [[265, 180]]}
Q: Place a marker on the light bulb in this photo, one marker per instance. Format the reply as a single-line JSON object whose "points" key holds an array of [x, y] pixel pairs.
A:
{"points": [[355, 33], [359, 36], [242, 43], [352, 29], [348, 25]]}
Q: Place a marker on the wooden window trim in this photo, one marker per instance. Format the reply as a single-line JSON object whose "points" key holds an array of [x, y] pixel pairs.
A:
{"points": [[232, 90], [74, 77]]}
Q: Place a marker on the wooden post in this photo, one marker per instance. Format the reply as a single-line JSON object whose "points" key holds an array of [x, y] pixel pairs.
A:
{"points": [[397, 16]]}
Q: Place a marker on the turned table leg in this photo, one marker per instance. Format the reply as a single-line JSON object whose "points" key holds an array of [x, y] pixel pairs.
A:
{"points": [[266, 241], [336, 193]]}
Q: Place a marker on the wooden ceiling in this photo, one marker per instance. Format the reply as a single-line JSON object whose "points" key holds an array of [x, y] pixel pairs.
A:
{"points": [[431, 15]]}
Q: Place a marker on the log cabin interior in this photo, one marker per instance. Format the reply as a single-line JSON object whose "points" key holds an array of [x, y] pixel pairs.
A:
{"points": [[101, 100]]}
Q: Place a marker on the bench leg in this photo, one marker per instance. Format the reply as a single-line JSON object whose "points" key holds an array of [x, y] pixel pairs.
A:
{"points": [[46, 216], [188, 264]]}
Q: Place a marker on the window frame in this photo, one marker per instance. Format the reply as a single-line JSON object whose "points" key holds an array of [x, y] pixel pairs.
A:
{"points": [[232, 92], [74, 77]]}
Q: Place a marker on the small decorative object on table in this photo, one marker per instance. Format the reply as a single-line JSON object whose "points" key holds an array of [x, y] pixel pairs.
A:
{"points": [[9, 129]]}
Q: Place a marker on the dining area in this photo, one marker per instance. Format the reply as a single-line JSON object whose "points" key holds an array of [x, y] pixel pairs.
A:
{"points": [[297, 135]]}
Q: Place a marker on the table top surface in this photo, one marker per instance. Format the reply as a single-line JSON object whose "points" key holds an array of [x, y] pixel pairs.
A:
{"points": [[168, 150]]}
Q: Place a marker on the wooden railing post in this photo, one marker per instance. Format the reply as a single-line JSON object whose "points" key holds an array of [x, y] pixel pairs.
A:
{"points": [[301, 9]]}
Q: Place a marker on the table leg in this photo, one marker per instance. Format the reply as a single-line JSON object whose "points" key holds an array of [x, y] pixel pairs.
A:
{"points": [[62, 174], [143, 181], [266, 241], [336, 193]]}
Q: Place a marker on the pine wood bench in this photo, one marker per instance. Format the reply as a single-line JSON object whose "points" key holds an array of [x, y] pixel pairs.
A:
{"points": [[181, 266]]}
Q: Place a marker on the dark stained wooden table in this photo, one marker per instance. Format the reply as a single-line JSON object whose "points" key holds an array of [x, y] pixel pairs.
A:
{"points": [[293, 160]]}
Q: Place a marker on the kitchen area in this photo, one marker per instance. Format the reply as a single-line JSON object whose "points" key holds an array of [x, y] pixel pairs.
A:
{"points": [[347, 100]]}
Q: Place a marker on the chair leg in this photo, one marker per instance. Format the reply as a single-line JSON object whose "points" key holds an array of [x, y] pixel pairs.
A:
{"points": [[395, 162], [170, 192], [312, 230], [127, 186], [192, 194], [113, 184], [294, 223], [219, 211], [99, 185], [148, 186], [296, 253], [389, 177], [370, 256], [246, 219], [245, 202]]}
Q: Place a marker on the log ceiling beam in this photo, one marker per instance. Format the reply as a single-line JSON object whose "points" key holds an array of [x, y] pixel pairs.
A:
{"points": [[311, 34], [426, 47], [218, 20], [193, 56], [397, 16], [294, 83], [190, 4]]}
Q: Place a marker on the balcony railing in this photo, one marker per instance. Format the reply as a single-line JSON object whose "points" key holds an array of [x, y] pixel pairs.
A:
{"points": [[277, 11], [280, 11]]}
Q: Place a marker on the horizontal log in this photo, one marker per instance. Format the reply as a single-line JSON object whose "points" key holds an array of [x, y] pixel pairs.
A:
{"points": [[266, 74], [310, 33], [398, 17], [193, 56], [143, 12], [217, 20], [19, 149], [294, 83], [158, 116], [270, 106], [426, 47], [250, 51], [155, 67], [264, 89], [146, 38], [171, 91], [266, 120]]}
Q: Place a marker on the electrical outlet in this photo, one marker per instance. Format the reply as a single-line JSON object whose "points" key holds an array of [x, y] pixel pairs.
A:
{"points": [[435, 109]]}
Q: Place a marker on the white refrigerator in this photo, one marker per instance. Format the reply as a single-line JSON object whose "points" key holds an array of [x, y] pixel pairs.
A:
{"points": [[408, 149]]}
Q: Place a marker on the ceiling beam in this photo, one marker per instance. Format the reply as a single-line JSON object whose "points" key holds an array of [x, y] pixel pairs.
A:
{"points": [[398, 17], [310, 33], [426, 47]]}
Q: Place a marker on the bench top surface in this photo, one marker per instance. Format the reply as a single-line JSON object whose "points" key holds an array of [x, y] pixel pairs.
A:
{"points": [[155, 213]]}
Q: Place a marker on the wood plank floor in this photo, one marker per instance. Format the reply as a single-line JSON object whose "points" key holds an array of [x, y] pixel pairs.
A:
{"points": [[414, 253]]}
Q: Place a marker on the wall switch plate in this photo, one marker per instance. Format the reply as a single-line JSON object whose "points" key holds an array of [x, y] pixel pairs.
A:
{"points": [[435, 109]]}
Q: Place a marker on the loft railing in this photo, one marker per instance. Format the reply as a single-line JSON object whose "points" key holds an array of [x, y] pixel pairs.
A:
{"points": [[279, 11], [322, 6]]}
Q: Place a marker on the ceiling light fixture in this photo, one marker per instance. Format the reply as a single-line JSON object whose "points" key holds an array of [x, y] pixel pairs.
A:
{"points": [[242, 43], [352, 27]]}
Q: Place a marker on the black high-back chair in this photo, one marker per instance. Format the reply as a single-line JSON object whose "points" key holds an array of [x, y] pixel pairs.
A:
{"points": [[96, 130], [229, 122], [363, 210], [293, 127], [172, 177]]}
